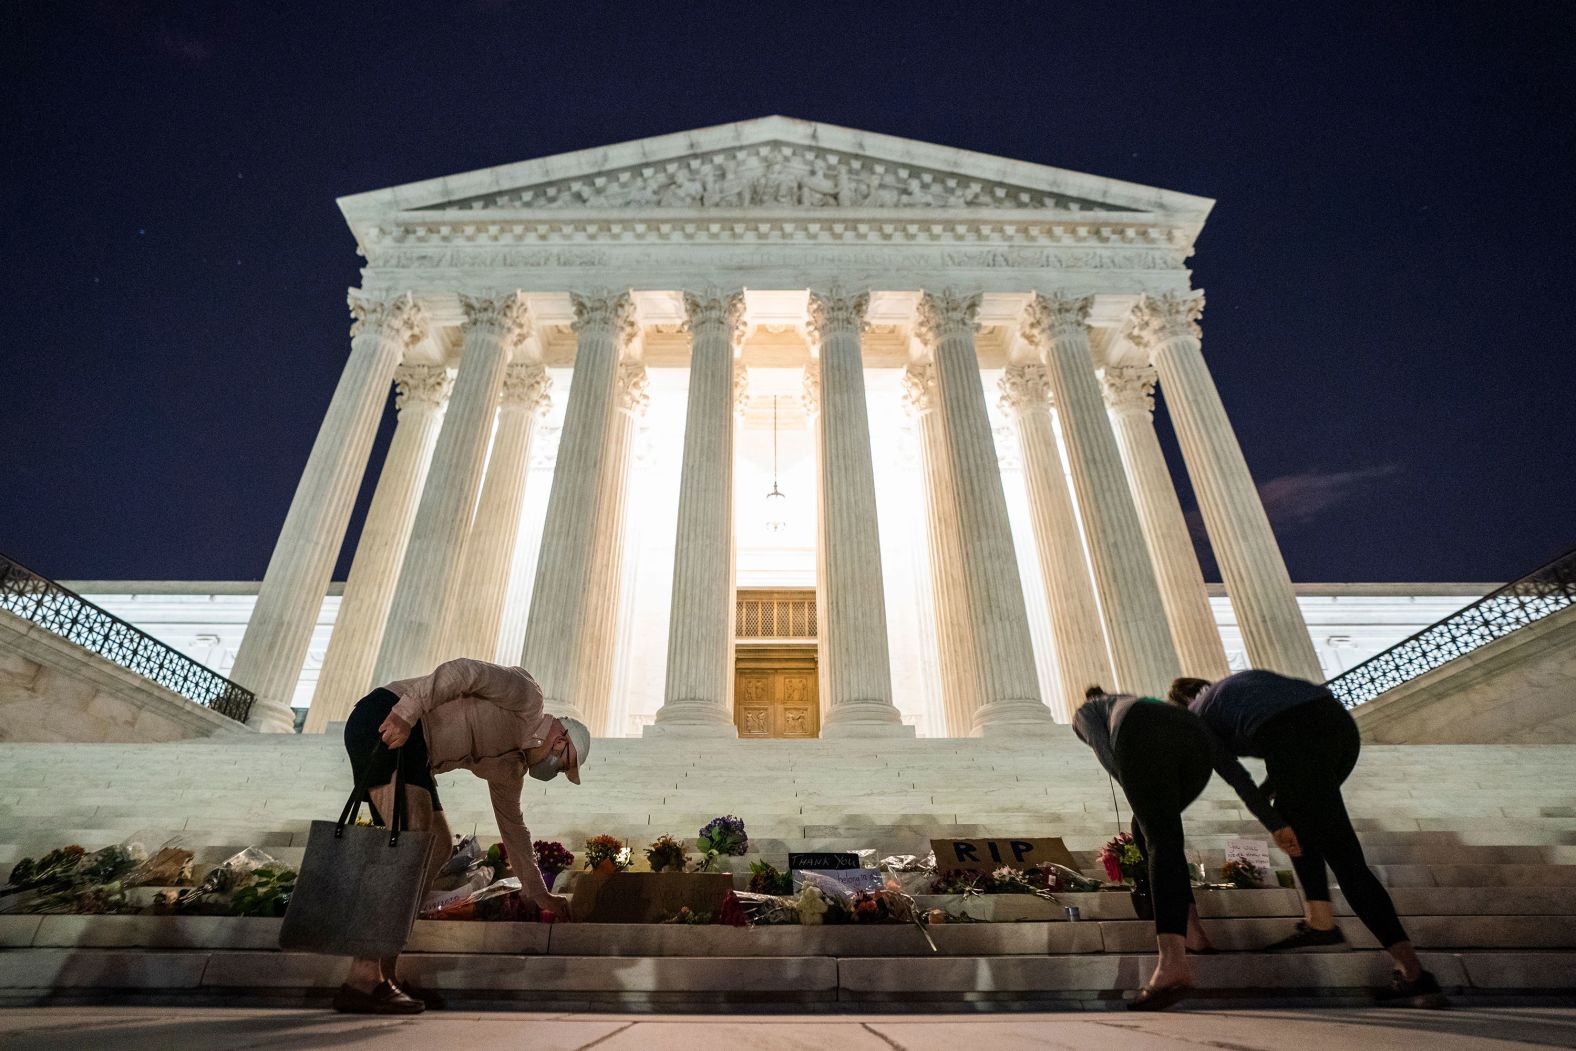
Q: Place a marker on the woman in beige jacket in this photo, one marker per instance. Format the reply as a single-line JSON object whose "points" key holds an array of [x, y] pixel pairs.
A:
{"points": [[470, 715]]}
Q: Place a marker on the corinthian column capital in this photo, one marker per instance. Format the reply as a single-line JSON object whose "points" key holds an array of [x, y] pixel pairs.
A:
{"points": [[835, 309], [505, 317], [400, 317], [1049, 317], [810, 393], [426, 386], [630, 392], [1129, 388], [526, 385], [713, 307], [941, 313], [919, 388], [1156, 319], [599, 309], [1024, 388]]}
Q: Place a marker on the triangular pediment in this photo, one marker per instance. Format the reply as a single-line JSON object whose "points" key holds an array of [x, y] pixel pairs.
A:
{"points": [[772, 164]]}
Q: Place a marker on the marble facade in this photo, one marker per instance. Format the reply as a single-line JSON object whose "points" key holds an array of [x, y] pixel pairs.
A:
{"points": [[663, 289]]}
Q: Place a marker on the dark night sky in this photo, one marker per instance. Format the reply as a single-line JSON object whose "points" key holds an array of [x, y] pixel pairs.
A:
{"points": [[1389, 263]]}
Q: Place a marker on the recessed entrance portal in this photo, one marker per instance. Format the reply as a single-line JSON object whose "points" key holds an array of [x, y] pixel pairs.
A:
{"points": [[776, 690]]}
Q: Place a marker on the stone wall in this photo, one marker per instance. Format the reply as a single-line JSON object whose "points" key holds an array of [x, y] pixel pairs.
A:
{"points": [[54, 690], [1520, 689]]}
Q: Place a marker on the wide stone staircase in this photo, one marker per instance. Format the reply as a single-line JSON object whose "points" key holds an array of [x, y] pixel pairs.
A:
{"points": [[1476, 842]]}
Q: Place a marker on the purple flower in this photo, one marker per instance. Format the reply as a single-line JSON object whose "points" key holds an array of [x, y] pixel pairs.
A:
{"points": [[725, 835]]}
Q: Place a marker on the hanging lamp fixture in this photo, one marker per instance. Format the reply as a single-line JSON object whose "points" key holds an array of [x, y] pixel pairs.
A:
{"points": [[776, 500]]}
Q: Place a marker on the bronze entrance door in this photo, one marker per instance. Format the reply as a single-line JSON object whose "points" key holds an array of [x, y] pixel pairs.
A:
{"points": [[775, 692]]}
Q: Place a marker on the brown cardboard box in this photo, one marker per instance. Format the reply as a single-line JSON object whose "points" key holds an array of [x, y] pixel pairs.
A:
{"points": [[645, 897]]}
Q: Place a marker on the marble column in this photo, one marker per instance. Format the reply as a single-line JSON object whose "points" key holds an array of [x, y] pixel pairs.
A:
{"points": [[421, 391], [959, 665], [274, 647], [810, 397], [1273, 631], [429, 580], [1076, 632], [1142, 655], [1009, 702], [1129, 397], [489, 549], [554, 632], [598, 643], [859, 680], [701, 631]]}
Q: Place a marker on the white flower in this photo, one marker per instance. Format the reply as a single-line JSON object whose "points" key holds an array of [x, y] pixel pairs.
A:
{"points": [[623, 856]]}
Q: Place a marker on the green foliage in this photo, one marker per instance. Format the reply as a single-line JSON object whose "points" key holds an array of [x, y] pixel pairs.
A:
{"points": [[765, 879], [266, 894]]}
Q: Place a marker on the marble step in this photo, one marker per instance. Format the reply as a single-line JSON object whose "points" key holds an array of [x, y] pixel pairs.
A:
{"points": [[1090, 935], [550, 981]]}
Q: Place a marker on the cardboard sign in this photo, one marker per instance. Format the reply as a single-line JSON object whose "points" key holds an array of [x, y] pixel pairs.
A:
{"points": [[822, 861], [1255, 852], [855, 880], [986, 855]]}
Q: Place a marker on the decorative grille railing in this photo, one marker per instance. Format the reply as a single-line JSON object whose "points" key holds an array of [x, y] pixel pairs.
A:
{"points": [[1540, 593], [775, 615], [65, 613]]}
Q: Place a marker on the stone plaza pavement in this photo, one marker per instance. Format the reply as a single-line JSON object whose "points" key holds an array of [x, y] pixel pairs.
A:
{"points": [[1329, 1029]]}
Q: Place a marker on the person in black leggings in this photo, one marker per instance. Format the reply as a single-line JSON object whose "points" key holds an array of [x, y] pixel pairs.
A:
{"points": [[1160, 756], [1309, 743]]}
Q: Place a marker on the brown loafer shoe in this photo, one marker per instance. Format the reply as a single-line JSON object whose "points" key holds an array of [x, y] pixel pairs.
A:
{"points": [[386, 999], [1151, 999]]}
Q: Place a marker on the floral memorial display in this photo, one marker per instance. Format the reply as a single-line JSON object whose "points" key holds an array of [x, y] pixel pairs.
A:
{"points": [[607, 854], [666, 854], [123, 879], [721, 836]]}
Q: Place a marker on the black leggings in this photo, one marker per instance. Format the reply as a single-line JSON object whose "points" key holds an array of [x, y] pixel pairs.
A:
{"points": [[1162, 760], [1308, 752]]}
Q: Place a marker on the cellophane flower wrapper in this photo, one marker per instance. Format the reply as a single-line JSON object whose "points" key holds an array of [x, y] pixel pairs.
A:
{"points": [[908, 873], [763, 910]]}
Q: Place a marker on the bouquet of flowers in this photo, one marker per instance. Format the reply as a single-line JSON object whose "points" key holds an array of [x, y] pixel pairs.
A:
{"points": [[765, 879], [666, 854], [607, 854], [691, 917], [1240, 873], [961, 881], [721, 835], [56, 868], [552, 858], [1121, 857]]}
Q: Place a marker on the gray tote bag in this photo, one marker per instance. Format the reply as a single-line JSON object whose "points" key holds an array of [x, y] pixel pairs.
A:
{"points": [[359, 887]]}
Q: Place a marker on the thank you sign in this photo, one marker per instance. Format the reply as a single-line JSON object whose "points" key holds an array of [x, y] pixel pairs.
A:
{"points": [[984, 855]]}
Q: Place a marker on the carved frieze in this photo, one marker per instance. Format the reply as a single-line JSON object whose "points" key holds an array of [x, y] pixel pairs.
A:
{"points": [[775, 175]]}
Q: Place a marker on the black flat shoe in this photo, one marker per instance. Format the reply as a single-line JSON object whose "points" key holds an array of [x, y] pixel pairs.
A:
{"points": [[1151, 999], [386, 999], [1208, 950], [1306, 937], [430, 998], [1423, 991]]}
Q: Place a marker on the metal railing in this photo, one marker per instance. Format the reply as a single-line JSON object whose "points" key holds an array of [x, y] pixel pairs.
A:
{"points": [[1544, 591], [65, 613]]}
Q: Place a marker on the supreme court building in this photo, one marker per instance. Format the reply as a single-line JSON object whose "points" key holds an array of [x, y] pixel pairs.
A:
{"points": [[774, 429]]}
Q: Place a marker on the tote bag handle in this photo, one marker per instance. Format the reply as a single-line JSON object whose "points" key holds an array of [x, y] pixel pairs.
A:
{"points": [[363, 792]]}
